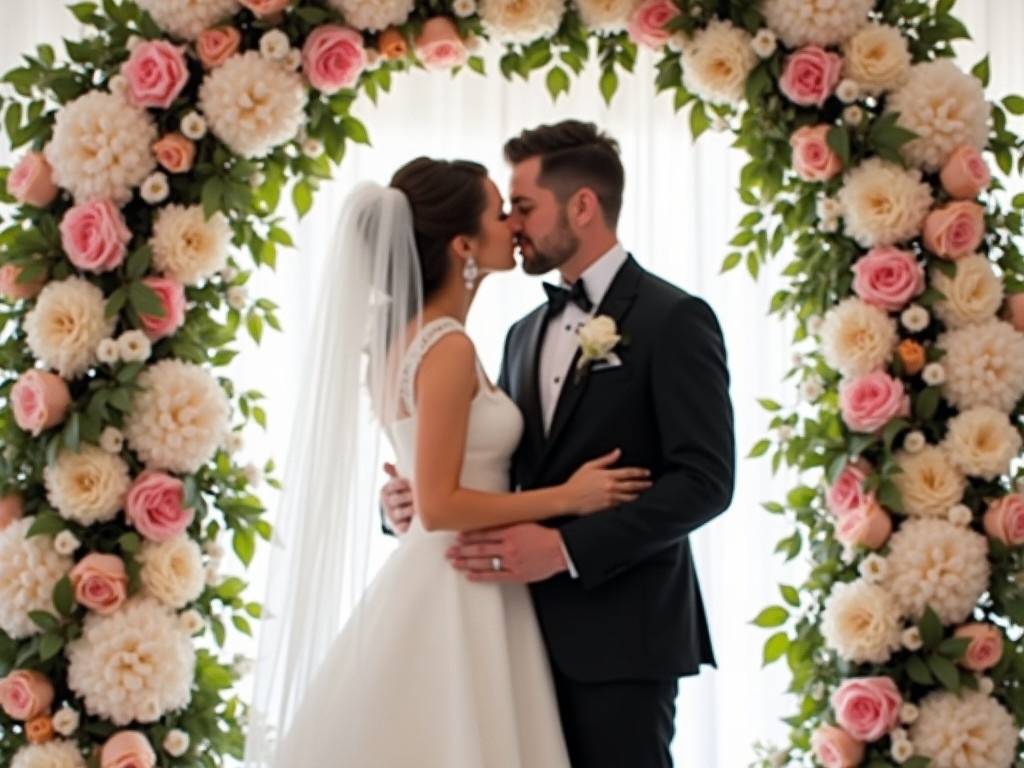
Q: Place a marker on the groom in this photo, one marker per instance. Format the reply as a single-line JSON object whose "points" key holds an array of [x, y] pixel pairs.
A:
{"points": [[616, 591]]}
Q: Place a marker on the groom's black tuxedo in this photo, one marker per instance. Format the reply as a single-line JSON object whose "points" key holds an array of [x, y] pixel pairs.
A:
{"points": [[635, 613]]}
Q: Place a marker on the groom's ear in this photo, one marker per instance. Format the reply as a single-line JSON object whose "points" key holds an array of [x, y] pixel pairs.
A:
{"points": [[584, 207]]}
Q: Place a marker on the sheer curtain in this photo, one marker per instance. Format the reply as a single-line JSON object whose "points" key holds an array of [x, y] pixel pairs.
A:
{"points": [[680, 210]]}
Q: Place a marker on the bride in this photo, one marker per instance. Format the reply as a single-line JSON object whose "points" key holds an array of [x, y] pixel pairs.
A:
{"points": [[431, 671]]}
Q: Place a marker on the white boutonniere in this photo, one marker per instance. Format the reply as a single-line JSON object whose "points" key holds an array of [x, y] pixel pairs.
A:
{"points": [[598, 338]]}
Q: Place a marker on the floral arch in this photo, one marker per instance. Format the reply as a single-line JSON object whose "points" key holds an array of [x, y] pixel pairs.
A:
{"points": [[155, 154]]}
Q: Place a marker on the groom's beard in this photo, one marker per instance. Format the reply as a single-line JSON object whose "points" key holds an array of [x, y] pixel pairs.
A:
{"points": [[551, 253]]}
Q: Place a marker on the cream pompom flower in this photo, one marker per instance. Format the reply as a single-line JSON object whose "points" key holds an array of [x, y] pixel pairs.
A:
{"points": [[945, 107], [187, 18], [935, 563], [884, 204], [187, 246], [253, 104], [718, 61], [928, 482], [815, 22], [520, 21], [179, 417], [857, 338], [967, 731], [88, 486], [982, 442], [29, 570], [861, 623], [375, 16], [984, 365], [173, 571], [134, 665], [972, 295], [607, 16], [60, 753], [67, 324], [877, 58], [101, 147]]}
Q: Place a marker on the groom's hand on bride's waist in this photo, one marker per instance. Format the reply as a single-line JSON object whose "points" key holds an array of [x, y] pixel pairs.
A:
{"points": [[523, 553], [396, 500]]}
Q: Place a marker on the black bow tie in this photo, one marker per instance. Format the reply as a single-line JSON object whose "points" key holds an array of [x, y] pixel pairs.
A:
{"points": [[558, 297]]}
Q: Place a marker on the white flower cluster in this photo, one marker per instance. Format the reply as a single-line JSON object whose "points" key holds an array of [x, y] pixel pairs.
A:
{"points": [[187, 18], [29, 570], [857, 338], [375, 16], [187, 246], [929, 484], [982, 442], [607, 16], [67, 324], [520, 21], [984, 365], [173, 571], [972, 295], [815, 22], [884, 204], [877, 58], [967, 731], [53, 754], [861, 622], [88, 486], [718, 61]]}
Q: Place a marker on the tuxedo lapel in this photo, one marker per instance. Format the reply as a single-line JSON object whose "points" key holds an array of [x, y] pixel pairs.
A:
{"points": [[529, 401]]}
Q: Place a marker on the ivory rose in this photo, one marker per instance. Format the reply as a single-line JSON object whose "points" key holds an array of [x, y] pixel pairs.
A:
{"points": [[965, 174], [813, 158], [888, 277], [100, 583], [39, 400], [25, 694], [171, 294], [868, 402], [647, 27], [835, 748], [954, 230], [94, 236], [866, 526], [867, 708], [1004, 520], [333, 57], [264, 8], [217, 45], [439, 45], [155, 74], [10, 509], [127, 749], [155, 506], [31, 181], [174, 153], [12, 289], [847, 493], [392, 44], [810, 75]]}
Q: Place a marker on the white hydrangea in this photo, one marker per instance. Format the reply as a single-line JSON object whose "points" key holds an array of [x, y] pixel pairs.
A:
{"points": [[178, 418], [877, 58], [815, 22], [857, 338], [884, 204], [982, 442], [134, 665], [67, 324], [861, 623], [945, 107], [101, 147], [935, 563], [606, 16], [173, 571], [375, 16], [29, 570], [967, 731], [253, 104], [59, 753], [89, 486], [718, 61], [187, 246], [520, 21], [984, 365], [928, 482], [974, 293], [187, 18]]}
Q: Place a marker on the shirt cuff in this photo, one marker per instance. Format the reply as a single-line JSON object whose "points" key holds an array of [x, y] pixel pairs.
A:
{"points": [[568, 560]]}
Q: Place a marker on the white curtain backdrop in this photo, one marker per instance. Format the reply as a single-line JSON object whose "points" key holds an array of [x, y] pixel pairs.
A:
{"points": [[680, 210]]}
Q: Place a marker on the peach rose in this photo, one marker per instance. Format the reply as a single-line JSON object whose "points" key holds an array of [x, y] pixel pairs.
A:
{"points": [[25, 694], [333, 57], [12, 289], [847, 493], [868, 402], [11, 509], [171, 294], [810, 75], [156, 74], [867, 708], [888, 278], [835, 748], [813, 158], [912, 356], [867, 526], [965, 174], [100, 582], [127, 749], [31, 181], [217, 45], [1015, 310], [94, 236], [439, 45], [1004, 520], [175, 153], [155, 506], [39, 400], [39, 730], [986, 648], [647, 27], [954, 230], [264, 8], [392, 44]]}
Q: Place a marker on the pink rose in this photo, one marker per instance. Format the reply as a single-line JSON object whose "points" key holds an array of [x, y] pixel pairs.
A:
{"points": [[439, 45], [986, 648], [171, 294], [810, 75], [39, 400], [127, 749], [175, 153], [847, 493], [264, 8], [867, 708], [13, 289], [100, 582], [94, 236], [155, 506], [1015, 310], [25, 694], [888, 278], [647, 27], [835, 748], [333, 57], [10, 509], [965, 174], [869, 401], [31, 181], [1004, 520], [866, 526], [215, 46], [156, 74], [813, 158], [954, 230]]}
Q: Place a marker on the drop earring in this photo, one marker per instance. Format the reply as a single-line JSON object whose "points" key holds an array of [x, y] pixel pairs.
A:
{"points": [[470, 273]]}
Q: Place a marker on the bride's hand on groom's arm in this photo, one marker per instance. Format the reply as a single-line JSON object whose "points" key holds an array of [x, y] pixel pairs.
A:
{"points": [[396, 500]]}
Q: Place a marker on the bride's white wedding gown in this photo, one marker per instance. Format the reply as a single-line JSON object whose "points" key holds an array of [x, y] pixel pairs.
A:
{"points": [[434, 671]]}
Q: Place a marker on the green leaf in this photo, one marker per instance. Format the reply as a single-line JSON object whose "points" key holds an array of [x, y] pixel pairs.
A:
{"points": [[931, 628], [953, 648], [254, 324], [130, 543], [927, 403], [982, 71], [355, 130], [302, 197], [64, 596], [918, 671], [945, 672], [775, 647], [46, 523], [244, 545], [1014, 104], [50, 644], [699, 120], [212, 196], [790, 594], [609, 85], [919, 761], [772, 616], [838, 140], [138, 262], [759, 449], [45, 621], [889, 496], [144, 300], [72, 434], [557, 82], [731, 261]]}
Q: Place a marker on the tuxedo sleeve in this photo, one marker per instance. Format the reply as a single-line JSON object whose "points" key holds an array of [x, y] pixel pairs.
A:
{"points": [[689, 387]]}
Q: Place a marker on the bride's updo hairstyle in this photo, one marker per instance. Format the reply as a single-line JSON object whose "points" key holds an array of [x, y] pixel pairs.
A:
{"points": [[448, 199]]}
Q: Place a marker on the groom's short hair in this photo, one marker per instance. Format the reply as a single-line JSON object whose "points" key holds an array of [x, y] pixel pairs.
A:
{"points": [[573, 155]]}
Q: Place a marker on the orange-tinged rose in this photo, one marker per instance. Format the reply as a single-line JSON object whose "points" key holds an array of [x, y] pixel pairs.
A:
{"points": [[39, 730], [215, 46], [912, 356], [392, 44], [175, 153]]}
